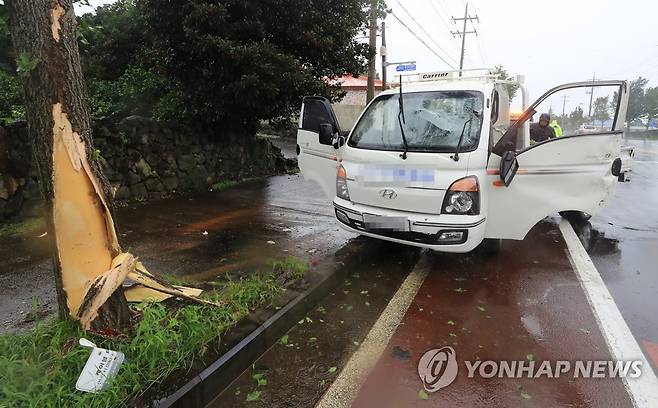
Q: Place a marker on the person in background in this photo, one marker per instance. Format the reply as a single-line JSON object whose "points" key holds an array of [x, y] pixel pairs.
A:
{"points": [[557, 129], [541, 131]]}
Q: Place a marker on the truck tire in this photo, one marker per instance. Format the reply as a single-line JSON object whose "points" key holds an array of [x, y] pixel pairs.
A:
{"points": [[577, 216]]}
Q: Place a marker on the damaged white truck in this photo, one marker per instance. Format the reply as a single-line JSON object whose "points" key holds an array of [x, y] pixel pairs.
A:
{"points": [[439, 164]]}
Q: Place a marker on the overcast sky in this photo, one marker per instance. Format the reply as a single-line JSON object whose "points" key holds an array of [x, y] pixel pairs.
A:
{"points": [[550, 42]]}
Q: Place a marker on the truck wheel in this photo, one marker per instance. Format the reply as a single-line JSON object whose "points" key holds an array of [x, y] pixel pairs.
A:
{"points": [[491, 246], [576, 216]]}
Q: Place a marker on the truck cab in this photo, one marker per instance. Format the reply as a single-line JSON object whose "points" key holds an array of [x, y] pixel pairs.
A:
{"points": [[439, 163]]}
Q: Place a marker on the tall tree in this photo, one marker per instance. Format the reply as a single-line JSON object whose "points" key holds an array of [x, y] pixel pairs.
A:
{"points": [[241, 61], [601, 109], [636, 103], [77, 196], [651, 104]]}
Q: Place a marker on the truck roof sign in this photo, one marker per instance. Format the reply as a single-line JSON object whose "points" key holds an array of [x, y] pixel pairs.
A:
{"points": [[434, 76]]}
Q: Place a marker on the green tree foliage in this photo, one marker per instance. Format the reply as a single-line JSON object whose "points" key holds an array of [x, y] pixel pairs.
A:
{"points": [[502, 73], [577, 115], [601, 109], [231, 63], [111, 39], [238, 62], [636, 101], [11, 102], [651, 103], [121, 77]]}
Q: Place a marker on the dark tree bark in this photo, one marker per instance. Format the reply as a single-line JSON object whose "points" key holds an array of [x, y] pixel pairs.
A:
{"points": [[77, 196]]}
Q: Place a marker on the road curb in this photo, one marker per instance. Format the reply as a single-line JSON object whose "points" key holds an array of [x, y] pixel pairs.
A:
{"points": [[207, 385]]}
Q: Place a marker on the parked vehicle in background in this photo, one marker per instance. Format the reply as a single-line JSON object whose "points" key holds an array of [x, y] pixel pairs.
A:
{"points": [[585, 129]]}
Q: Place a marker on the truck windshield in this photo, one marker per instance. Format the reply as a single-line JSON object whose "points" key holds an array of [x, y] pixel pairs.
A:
{"points": [[434, 122]]}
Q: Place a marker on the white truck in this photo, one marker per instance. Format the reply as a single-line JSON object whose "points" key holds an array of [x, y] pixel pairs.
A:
{"points": [[437, 163]]}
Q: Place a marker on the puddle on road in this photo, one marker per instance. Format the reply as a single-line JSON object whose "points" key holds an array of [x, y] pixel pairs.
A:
{"points": [[303, 364]]}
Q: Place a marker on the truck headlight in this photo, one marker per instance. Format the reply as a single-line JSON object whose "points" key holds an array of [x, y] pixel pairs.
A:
{"points": [[463, 197], [341, 184]]}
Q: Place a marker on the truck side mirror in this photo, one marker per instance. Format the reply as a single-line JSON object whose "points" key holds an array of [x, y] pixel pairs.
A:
{"points": [[326, 134], [339, 141], [509, 165]]}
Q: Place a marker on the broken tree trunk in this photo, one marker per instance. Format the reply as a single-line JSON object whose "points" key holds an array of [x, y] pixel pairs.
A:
{"points": [[77, 196]]}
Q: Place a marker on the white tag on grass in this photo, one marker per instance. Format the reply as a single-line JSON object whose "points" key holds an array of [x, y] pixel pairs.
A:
{"points": [[101, 366]]}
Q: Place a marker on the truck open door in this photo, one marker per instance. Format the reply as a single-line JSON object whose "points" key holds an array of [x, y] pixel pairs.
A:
{"points": [[575, 172], [318, 140]]}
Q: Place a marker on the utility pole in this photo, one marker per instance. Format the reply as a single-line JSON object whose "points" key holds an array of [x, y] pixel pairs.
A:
{"points": [[383, 52], [372, 51], [591, 97], [565, 98], [463, 33]]}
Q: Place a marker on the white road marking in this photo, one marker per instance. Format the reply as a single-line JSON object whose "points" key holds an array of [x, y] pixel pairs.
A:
{"points": [[620, 341], [346, 386]]}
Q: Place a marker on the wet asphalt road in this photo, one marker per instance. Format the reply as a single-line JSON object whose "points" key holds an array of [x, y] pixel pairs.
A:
{"points": [[523, 304], [623, 244], [525, 301]]}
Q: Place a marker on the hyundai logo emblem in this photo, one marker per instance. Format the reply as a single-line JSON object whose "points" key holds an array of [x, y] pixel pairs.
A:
{"points": [[390, 194]]}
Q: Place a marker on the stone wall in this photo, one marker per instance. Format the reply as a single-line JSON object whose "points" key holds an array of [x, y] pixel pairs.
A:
{"points": [[144, 159]]}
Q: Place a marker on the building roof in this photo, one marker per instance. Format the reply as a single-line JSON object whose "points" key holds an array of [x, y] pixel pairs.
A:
{"points": [[349, 83]]}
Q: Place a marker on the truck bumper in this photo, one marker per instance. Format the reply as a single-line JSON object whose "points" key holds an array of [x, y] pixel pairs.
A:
{"points": [[424, 230]]}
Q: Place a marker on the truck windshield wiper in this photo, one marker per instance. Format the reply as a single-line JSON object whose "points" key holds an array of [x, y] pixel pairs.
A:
{"points": [[473, 114], [401, 120]]}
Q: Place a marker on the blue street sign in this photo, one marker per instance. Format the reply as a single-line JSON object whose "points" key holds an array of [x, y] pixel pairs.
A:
{"points": [[407, 67]]}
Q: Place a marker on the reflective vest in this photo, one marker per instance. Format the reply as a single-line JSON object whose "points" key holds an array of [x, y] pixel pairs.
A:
{"points": [[556, 128]]}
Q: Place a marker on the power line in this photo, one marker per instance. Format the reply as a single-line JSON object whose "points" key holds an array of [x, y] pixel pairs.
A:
{"points": [[425, 31], [635, 66], [443, 8], [421, 40], [480, 41], [438, 13], [482, 51], [445, 21]]}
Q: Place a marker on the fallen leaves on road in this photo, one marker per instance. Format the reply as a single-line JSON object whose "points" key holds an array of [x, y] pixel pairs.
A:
{"points": [[253, 396], [423, 395]]}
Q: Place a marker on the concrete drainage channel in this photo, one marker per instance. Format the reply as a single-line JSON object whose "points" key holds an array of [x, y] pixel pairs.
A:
{"points": [[208, 384]]}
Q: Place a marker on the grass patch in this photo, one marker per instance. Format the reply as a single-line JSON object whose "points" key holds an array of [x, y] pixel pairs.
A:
{"points": [[223, 185], [40, 367], [21, 228]]}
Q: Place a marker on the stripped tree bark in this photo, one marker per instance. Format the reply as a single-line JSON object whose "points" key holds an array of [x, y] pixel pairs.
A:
{"points": [[77, 195]]}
